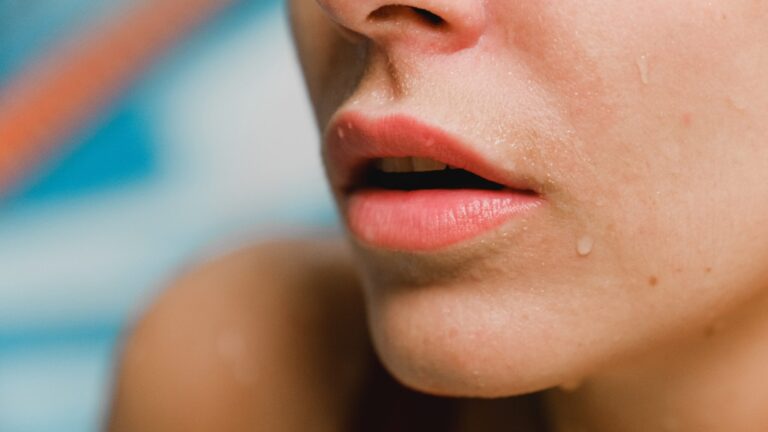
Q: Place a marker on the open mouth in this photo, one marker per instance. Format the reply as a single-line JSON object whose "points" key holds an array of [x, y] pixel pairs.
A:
{"points": [[413, 173], [408, 186]]}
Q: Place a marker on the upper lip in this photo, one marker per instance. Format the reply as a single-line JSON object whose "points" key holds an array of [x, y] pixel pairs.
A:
{"points": [[353, 141]]}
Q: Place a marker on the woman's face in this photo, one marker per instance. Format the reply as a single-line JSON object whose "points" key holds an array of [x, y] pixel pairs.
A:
{"points": [[628, 145]]}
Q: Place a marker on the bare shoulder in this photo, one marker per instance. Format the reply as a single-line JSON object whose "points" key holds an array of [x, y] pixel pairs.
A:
{"points": [[255, 340]]}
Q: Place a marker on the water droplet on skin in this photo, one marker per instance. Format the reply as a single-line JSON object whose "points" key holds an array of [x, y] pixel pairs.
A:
{"points": [[737, 103], [642, 66], [230, 345], [585, 245]]}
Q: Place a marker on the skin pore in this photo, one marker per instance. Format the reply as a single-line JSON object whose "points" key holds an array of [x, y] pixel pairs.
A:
{"points": [[635, 298], [639, 288]]}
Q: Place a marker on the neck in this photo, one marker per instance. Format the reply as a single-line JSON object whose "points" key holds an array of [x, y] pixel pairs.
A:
{"points": [[716, 380]]}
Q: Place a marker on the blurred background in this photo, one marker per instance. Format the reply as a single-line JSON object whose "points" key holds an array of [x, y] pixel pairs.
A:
{"points": [[136, 137]]}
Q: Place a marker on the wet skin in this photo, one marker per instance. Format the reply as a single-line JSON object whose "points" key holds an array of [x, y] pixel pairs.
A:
{"points": [[641, 125], [628, 298]]}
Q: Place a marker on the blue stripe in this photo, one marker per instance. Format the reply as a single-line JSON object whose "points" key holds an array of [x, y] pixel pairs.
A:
{"points": [[30, 28], [96, 333], [118, 152]]}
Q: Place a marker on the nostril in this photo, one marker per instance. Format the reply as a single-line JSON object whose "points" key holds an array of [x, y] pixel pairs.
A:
{"points": [[429, 17], [401, 12]]}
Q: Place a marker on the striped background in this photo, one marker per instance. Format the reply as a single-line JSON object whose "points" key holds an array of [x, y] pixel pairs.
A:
{"points": [[136, 137]]}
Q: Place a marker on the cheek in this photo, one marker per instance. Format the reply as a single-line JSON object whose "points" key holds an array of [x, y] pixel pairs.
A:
{"points": [[678, 186], [332, 64], [664, 169], [671, 122]]}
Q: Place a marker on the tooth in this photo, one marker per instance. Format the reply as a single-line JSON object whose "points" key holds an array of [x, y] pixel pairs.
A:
{"points": [[403, 165], [394, 165], [423, 164], [382, 165]]}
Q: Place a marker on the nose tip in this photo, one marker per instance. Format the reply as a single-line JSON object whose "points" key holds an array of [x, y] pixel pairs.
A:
{"points": [[438, 25]]}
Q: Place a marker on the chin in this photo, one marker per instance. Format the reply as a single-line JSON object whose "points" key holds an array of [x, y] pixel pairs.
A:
{"points": [[450, 341]]}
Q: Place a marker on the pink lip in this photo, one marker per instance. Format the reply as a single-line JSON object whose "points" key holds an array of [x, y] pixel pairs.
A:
{"points": [[419, 220]]}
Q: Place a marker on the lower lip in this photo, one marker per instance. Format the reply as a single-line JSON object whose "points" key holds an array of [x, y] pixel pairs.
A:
{"points": [[431, 219]]}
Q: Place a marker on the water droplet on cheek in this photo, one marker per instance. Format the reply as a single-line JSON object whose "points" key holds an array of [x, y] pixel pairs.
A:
{"points": [[585, 245], [642, 66], [737, 103]]}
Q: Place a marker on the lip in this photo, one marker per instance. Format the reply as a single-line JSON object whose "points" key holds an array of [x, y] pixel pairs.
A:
{"points": [[419, 220]]}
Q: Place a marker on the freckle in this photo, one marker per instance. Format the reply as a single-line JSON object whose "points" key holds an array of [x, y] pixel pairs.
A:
{"points": [[653, 280], [686, 120], [713, 329]]}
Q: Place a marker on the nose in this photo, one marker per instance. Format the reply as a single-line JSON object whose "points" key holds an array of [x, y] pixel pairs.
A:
{"points": [[434, 25]]}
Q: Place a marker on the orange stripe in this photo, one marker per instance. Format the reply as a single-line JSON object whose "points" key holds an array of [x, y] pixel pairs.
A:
{"points": [[53, 98]]}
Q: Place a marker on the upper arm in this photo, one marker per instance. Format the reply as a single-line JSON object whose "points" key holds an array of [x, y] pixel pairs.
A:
{"points": [[252, 341]]}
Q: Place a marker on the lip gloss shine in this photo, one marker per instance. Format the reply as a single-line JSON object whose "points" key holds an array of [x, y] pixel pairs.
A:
{"points": [[430, 219], [422, 219]]}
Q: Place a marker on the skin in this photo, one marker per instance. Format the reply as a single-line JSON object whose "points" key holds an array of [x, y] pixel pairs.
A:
{"points": [[641, 124], [245, 342], [273, 338]]}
